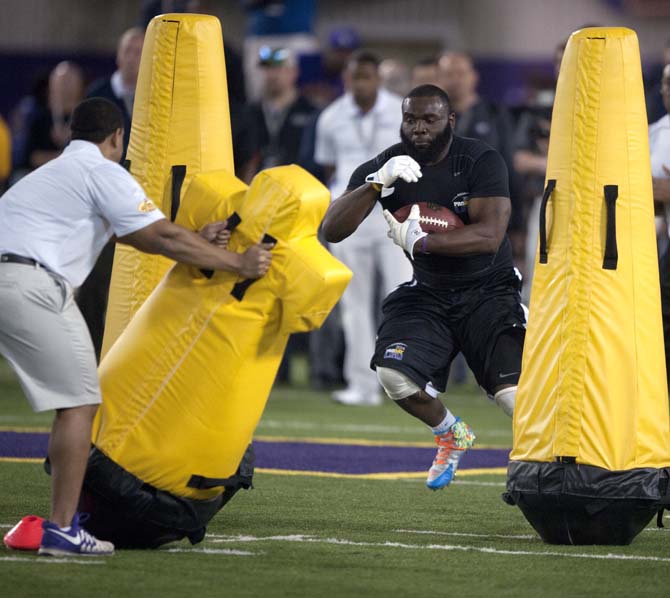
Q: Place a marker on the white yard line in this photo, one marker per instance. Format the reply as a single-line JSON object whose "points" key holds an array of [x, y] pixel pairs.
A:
{"points": [[50, 560], [225, 551], [465, 534], [299, 538]]}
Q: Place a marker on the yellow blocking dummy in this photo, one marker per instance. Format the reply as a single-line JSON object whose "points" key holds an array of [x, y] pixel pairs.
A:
{"points": [[591, 426], [186, 383], [181, 126]]}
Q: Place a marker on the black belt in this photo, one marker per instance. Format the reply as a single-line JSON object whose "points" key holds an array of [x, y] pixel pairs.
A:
{"points": [[12, 258]]}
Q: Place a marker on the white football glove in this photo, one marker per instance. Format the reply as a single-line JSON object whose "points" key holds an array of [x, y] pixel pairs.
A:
{"points": [[406, 234], [403, 167]]}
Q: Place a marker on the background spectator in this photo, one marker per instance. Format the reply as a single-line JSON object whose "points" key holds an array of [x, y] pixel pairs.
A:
{"points": [[395, 76], [426, 72], [280, 118], [276, 24], [321, 73], [653, 92], [120, 86], [21, 120], [283, 112], [50, 130], [475, 116], [352, 130], [531, 146]]}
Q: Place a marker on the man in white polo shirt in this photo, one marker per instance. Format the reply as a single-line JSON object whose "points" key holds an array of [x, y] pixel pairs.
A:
{"points": [[53, 224], [352, 130]]}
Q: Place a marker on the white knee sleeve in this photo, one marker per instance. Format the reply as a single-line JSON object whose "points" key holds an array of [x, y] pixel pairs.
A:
{"points": [[396, 384], [505, 399]]}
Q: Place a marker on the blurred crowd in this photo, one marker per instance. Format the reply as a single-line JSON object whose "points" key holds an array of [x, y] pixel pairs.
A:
{"points": [[292, 97]]}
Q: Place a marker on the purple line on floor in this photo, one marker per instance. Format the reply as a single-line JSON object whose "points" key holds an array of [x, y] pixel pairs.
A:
{"points": [[303, 456], [353, 459]]}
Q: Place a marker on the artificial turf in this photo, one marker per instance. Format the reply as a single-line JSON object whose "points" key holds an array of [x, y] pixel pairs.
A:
{"points": [[302, 535]]}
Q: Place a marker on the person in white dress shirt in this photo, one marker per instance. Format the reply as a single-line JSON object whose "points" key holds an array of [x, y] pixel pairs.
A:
{"points": [[354, 129]]}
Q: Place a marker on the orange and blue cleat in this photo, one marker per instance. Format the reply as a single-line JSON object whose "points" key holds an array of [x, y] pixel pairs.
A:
{"points": [[450, 449]]}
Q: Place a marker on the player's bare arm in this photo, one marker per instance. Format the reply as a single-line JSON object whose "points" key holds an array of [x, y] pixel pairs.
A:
{"points": [[488, 223], [346, 213], [185, 246], [489, 217]]}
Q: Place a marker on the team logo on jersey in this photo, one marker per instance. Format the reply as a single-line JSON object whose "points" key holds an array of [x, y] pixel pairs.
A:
{"points": [[395, 351], [460, 202], [147, 206]]}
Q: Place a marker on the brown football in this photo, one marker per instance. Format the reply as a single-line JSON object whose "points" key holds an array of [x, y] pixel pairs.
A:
{"points": [[434, 217]]}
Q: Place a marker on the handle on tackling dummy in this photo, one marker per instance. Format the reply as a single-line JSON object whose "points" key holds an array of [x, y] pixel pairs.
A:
{"points": [[233, 220]]}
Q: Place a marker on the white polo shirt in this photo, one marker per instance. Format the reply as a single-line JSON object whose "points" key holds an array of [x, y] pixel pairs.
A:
{"points": [[63, 213], [346, 138], [659, 148]]}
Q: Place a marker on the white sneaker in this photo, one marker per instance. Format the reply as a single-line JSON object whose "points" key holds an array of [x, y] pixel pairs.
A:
{"points": [[75, 541], [353, 397]]}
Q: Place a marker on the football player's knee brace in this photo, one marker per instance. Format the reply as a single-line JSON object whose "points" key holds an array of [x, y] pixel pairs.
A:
{"points": [[396, 384], [505, 399]]}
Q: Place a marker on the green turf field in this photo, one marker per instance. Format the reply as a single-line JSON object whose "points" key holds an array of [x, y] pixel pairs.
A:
{"points": [[318, 536]]}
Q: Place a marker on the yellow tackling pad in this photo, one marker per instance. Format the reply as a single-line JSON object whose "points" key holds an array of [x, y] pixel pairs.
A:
{"points": [[181, 126], [593, 387], [593, 379], [187, 381]]}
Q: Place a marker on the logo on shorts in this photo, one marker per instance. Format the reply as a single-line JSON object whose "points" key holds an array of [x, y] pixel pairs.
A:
{"points": [[147, 206], [395, 351]]}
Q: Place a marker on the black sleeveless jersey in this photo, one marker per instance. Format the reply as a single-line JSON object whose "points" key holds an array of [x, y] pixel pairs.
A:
{"points": [[471, 169]]}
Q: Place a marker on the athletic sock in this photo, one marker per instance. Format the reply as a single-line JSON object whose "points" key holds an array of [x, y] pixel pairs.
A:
{"points": [[443, 427]]}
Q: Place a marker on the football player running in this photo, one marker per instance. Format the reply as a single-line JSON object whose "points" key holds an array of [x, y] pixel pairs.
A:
{"points": [[465, 295]]}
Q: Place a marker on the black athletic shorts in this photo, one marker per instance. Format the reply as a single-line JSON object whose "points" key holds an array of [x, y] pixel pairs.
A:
{"points": [[423, 329]]}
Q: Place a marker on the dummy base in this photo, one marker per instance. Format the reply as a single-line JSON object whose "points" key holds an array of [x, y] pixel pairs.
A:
{"points": [[570, 503], [132, 514]]}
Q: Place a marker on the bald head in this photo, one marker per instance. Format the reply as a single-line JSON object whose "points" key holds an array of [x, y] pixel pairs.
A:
{"points": [[457, 76], [129, 54], [66, 87], [394, 76]]}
